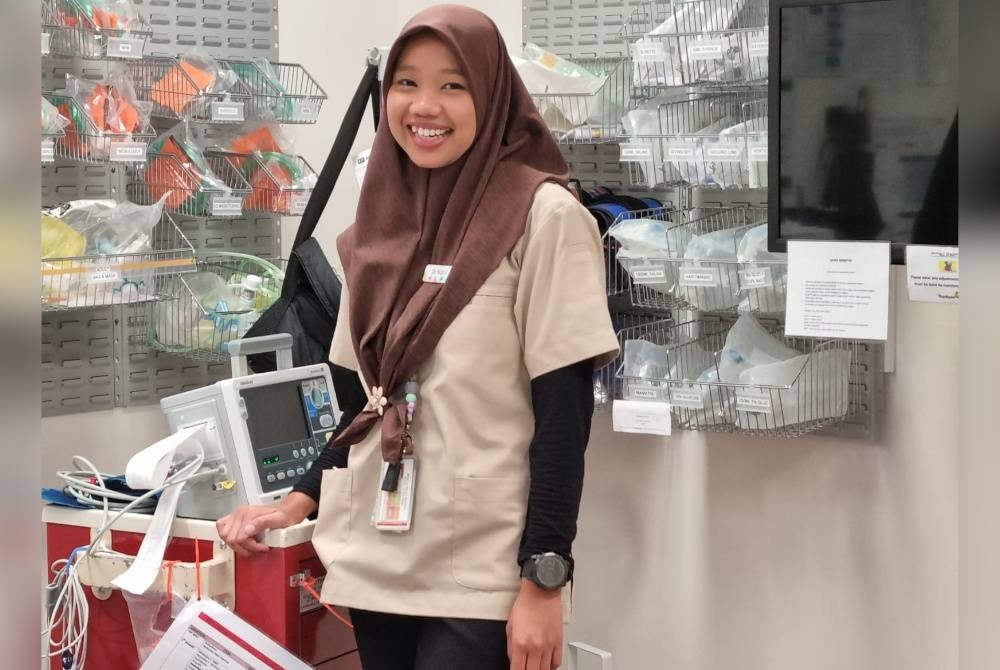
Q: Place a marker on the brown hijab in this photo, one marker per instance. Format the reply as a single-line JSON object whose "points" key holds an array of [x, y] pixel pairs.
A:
{"points": [[468, 215]]}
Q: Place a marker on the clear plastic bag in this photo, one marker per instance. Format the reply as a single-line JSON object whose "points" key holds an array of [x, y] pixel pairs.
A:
{"points": [[111, 227], [205, 313], [181, 173], [59, 240], [754, 254], [566, 87], [112, 103], [710, 249], [748, 345], [643, 239], [103, 15], [181, 89], [645, 367], [53, 123], [151, 614]]}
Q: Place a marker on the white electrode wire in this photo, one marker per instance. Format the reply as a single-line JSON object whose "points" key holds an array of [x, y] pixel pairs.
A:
{"points": [[70, 612]]}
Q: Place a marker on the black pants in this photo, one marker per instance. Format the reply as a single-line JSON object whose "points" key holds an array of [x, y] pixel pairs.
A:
{"points": [[396, 642]]}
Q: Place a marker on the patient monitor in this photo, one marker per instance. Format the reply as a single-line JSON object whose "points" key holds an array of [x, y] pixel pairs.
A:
{"points": [[269, 428]]}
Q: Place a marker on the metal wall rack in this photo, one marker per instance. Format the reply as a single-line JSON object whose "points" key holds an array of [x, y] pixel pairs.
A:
{"points": [[91, 358], [691, 76]]}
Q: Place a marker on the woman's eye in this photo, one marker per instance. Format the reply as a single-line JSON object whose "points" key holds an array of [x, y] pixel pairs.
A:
{"points": [[405, 82], [453, 86]]}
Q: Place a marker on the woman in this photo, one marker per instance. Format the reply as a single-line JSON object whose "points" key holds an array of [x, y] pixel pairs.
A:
{"points": [[473, 312]]}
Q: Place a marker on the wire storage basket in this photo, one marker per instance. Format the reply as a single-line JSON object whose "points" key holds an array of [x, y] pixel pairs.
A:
{"points": [[718, 380], [704, 43], [281, 183], [81, 30], [283, 92], [179, 90], [84, 142], [589, 118], [607, 385], [215, 189], [709, 140], [79, 282], [205, 309], [709, 259]]}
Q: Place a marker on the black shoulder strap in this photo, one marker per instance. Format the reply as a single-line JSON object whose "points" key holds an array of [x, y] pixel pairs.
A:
{"points": [[338, 154]]}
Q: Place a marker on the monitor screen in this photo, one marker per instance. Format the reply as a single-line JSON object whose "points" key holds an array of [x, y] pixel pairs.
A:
{"points": [[867, 105], [275, 414]]}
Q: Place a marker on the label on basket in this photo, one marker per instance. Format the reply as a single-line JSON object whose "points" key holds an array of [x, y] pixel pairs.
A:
{"points": [[105, 275], [723, 151], [46, 40], [759, 47], [297, 205], [651, 52], [128, 152], [754, 401], [635, 153], [125, 47], [687, 399], [648, 274], [756, 278], [642, 391], [227, 111], [698, 276], [684, 151], [758, 152], [705, 50], [48, 151], [227, 205], [305, 110]]}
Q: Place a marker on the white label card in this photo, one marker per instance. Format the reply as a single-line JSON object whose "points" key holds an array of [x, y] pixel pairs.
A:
{"points": [[125, 47], [305, 110], [687, 399], [394, 510], [649, 52], [361, 165], [724, 151], [297, 206], [756, 278], [758, 152], [705, 50], [635, 153], [436, 274], [932, 273], [681, 150], [46, 40], [699, 276], [227, 205], [105, 275], [48, 151], [227, 111], [648, 274], [838, 289], [128, 152], [755, 401], [759, 47], [641, 417]]}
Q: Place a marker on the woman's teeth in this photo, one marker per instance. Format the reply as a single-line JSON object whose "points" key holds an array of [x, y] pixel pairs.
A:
{"points": [[427, 132]]}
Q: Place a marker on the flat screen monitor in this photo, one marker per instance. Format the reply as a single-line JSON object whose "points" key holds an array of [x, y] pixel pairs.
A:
{"points": [[863, 122]]}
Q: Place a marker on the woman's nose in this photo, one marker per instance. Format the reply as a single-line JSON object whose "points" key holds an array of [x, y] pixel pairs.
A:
{"points": [[426, 104]]}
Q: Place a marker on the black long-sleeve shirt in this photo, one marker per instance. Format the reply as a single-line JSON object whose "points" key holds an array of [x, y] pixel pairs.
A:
{"points": [[563, 404]]}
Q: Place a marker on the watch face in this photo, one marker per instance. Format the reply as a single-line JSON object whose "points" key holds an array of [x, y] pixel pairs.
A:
{"points": [[551, 571]]}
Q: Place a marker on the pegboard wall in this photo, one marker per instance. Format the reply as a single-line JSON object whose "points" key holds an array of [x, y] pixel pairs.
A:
{"points": [[577, 28], [91, 358]]}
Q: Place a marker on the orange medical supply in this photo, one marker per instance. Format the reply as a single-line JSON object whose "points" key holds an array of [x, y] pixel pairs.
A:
{"points": [[180, 86]]}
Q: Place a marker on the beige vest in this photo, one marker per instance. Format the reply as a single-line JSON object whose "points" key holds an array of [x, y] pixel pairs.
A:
{"points": [[542, 309]]}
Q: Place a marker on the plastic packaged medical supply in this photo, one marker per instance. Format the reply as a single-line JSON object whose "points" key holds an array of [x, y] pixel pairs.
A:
{"points": [[748, 345], [184, 86], [53, 122], [112, 103], [100, 15], [59, 240], [179, 171], [199, 314], [262, 81], [643, 361], [769, 267], [716, 252]]}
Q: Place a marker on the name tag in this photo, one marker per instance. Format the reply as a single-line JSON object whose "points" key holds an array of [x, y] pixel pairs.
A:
{"points": [[436, 274]]}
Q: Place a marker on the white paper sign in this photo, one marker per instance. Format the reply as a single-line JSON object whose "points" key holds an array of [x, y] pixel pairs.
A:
{"points": [[932, 273], [48, 151], [641, 417], [838, 290]]}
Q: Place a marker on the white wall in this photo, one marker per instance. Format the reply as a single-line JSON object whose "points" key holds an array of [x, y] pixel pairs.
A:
{"points": [[701, 552]]}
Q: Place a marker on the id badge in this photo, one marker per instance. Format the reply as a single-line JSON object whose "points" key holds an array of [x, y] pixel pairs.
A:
{"points": [[394, 510]]}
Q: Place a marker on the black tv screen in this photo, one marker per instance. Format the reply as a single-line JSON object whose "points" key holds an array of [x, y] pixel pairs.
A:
{"points": [[863, 122]]}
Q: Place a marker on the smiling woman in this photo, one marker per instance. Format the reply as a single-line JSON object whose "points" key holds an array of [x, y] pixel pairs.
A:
{"points": [[428, 106]]}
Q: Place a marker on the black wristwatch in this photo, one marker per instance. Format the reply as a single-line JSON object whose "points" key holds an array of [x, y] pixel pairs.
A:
{"points": [[548, 571]]}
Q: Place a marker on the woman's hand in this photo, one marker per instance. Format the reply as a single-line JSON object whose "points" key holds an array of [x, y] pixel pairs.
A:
{"points": [[535, 629], [239, 529]]}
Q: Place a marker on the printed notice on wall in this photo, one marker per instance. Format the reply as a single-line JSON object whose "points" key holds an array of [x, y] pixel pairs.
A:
{"points": [[640, 416], [838, 290], [932, 273]]}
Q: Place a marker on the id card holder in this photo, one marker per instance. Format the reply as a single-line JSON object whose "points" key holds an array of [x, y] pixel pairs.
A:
{"points": [[394, 510]]}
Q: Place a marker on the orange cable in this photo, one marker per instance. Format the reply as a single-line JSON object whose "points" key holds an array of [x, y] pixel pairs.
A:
{"points": [[197, 568], [308, 582]]}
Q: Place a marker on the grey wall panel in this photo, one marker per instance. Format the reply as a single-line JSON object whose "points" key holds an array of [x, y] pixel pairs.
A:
{"points": [[78, 362], [237, 29], [577, 28]]}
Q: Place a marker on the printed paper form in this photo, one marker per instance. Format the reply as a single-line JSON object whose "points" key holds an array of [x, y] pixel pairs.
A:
{"points": [[838, 290]]}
